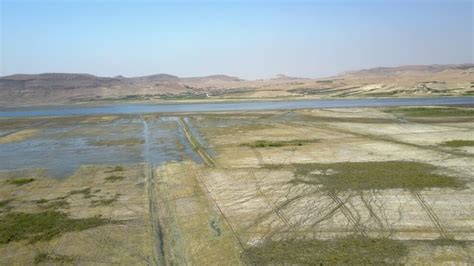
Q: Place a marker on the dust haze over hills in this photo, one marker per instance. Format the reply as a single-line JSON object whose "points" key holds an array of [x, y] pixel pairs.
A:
{"points": [[61, 88]]}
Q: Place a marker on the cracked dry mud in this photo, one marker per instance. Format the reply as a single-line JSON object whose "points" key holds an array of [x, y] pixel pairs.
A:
{"points": [[192, 189]]}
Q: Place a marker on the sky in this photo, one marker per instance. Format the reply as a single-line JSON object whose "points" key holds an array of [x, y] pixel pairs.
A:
{"points": [[248, 39]]}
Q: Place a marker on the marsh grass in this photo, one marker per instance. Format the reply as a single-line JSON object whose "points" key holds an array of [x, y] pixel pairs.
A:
{"points": [[269, 143], [51, 258], [432, 111], [372, 175], [20, 181], [458, 143], [352, 250], [42, 226]]}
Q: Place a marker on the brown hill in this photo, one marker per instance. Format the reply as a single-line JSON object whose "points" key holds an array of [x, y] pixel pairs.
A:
{"points": [[442, 80]]}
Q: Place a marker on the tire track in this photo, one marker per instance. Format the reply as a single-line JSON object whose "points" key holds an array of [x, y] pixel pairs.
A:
{"points": [[209, 162], [431, 215], [347, 213], [259, 191]]}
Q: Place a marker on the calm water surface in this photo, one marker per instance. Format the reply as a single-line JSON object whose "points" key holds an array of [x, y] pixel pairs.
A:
{"points": [[72, 110]]}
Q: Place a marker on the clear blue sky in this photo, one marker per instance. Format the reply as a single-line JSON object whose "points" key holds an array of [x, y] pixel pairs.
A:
{"points": [[249, 39]]}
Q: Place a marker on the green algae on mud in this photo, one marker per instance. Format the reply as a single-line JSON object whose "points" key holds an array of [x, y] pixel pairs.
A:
{"points": [[282, 143], [458, 143], [353, 250], [41, 226], [372, 175], [116, 169], [20, 181]]}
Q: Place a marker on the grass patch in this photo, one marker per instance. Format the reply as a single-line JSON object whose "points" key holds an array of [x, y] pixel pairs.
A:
{"points": [[432, 112], [114, 178], [458, 143], [51, 258], [269, 143], [20, 181], [373, 175], [351, 250], [34, 227]]}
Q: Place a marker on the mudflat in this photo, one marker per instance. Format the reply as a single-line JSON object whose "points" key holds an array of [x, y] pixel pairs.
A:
{"points": [[384, 185]]}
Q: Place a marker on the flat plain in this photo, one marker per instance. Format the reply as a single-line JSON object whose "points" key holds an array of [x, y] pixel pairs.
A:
{"points": [[310, 186]]}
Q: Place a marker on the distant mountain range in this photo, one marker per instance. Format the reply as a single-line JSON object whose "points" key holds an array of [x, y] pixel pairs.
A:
{"points": [[33, 89]]}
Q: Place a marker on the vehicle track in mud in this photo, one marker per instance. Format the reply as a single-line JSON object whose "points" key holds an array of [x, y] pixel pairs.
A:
{"points": [[347, 213], [209, 162], [431, 215]]}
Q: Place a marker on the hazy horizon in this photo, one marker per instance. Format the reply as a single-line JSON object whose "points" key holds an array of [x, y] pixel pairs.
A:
{"points": [[250, 40]]}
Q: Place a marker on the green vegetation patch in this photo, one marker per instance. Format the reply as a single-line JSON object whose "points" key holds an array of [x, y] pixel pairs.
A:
{"points": [[114, 178], [20, 181], [16, 226], [269, 143], [432, 111], [373, 175], [51, 258], [351, 250], [458, 143]]}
